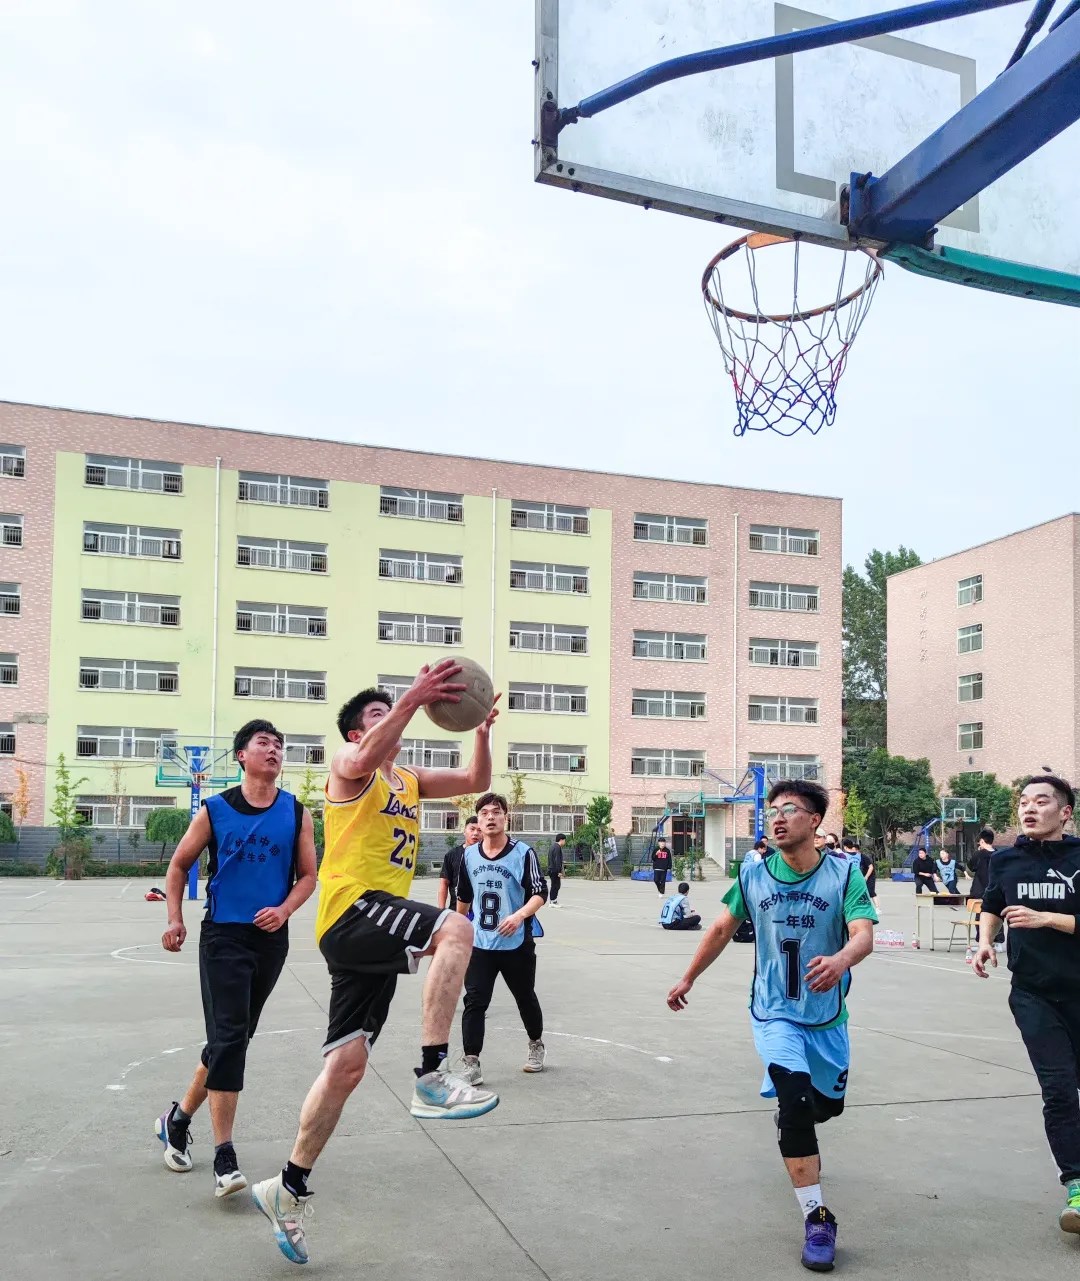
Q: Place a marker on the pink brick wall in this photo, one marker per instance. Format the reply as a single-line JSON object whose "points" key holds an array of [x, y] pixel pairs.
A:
{"points": [[1028, 660], [45, 431]]}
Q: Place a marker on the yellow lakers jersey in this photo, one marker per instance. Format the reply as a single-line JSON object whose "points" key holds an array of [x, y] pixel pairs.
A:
{"points": [[371, 843]]}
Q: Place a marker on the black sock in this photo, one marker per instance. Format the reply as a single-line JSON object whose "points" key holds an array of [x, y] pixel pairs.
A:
{"points": [[179, 1116], [431, 1057], [295, 1179], [223, 1147]]}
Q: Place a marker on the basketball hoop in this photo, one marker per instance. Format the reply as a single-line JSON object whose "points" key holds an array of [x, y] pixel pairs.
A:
{"points": [[200, 779], [785, 366]]}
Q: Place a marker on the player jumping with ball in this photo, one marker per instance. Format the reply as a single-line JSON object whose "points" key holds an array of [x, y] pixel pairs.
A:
{"points": [[813, 921]]}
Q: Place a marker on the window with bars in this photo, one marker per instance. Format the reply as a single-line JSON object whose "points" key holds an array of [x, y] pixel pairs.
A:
{"points": [[13, 461], [137, 608], [530, 576], [778, 709], [129, 675], [120, 811], [676, 647], [9, 669], [969, 736], [279, 684], [421, 504], [779, 538], [970, 688], [439, 818], [644, 818], [546, 820], [668, 704], [666, 762], [420, 567], [969, 591], [551, 518], [269, 619], [395, 686], [692, 531], [7, 738], [143, 542], [547, 758], [524, 697], [304, 749], [678, 588], [549, 638], [110, 472], [419, 629], [113, 742], [969, 639], [10, 598], [783, 653], [430, 753], [784, 596], [281, 553], [282, 491], [11, 530], [788, 765]]}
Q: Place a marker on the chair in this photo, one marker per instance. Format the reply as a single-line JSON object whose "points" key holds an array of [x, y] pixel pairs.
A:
{"points": [[969, 923]]}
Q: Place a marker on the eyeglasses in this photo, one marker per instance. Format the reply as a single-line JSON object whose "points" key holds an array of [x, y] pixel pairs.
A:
{"points": [[788, 811]]}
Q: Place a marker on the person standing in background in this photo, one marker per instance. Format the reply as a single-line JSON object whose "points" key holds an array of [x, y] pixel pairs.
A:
{"points": [[925, 870], [451, 866], [661, 865], [947, 870], [980, 876], [555, 868]]}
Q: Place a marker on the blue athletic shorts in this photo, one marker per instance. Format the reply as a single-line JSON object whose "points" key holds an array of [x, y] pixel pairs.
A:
{"points": [[824, 1053]]}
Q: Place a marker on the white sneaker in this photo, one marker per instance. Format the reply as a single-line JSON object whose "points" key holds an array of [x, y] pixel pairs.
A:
{"points": [[537, 1055], [445, 1096], [227, 1175], [470, 1071], [286, 1214]]}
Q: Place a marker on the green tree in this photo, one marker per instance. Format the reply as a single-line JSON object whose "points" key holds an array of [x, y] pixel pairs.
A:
{"points": [[865, 672], [995, 800], [899, 794], [310, 794], [72, 851], [7, 830], [166, 825], [594, 832], [856, 815]]}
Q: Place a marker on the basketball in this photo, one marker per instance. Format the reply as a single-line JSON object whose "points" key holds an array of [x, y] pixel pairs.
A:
{"points": [[476, 698]]}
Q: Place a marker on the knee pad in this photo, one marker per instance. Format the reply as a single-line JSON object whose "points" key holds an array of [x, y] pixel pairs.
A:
{"points": [[825, 1107], [795, 1096]]}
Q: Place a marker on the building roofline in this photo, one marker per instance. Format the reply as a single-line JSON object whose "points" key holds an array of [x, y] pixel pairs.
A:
{"points": [[424, 453], [1001, 538]]}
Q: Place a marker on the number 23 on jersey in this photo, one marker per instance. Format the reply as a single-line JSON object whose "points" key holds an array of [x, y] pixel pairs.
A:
{"points": [[404, 852]]}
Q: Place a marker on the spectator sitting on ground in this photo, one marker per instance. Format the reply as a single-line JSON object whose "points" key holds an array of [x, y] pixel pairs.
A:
{"points": [[677, 914]]}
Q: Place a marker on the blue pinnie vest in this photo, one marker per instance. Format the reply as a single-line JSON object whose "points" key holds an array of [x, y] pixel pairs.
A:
{"points": [[794, 922], [498, 891], [251, 860], [672, 909]]}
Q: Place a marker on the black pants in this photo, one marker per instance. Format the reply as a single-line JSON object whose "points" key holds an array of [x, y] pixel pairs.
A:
{"points": [[1051, 1033], [927, 883], [518, 968], [691, 922], [555, 881], [660, 877], [238, 968]]}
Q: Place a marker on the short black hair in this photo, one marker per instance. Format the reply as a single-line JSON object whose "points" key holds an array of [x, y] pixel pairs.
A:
{"points": [[492, 798], [761, 844], [684, 887], [247, 732], [661, 840], [560, 836], [1063, 790], [987, 835], [351, 712], [814, 793], [849, 841], [471, 819]]}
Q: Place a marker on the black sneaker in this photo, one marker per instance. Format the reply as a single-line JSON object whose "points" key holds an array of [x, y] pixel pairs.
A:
{"points": [[176, 1139], [227, 1176]]}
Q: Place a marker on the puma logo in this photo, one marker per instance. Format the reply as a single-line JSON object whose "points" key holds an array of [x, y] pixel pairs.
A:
{"points": [[1070, 881]]}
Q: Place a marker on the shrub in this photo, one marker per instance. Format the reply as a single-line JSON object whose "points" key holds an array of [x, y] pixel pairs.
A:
{"points": [[7, 830], [20, 869], [68, 860]]}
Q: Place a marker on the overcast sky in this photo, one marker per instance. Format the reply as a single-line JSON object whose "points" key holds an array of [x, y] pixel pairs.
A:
{"points": [[321, 219]]}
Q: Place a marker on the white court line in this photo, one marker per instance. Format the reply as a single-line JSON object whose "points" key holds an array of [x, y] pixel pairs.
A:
{"points": [[37, 895], [127, 886], [599, 1040], [118, 1084], [907, 1031], [118, 955], [922, 965]]}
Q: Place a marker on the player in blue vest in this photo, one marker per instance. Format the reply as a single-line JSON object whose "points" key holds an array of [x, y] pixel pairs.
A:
{"points": [[501, 881], [261, 869], [676, 913], [813, 921]]}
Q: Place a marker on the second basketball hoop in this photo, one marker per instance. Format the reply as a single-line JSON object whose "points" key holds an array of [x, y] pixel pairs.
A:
{"points": [[784, 348]]}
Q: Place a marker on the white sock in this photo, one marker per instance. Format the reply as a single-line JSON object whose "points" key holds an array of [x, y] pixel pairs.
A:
{"points": [[809, 1199]]}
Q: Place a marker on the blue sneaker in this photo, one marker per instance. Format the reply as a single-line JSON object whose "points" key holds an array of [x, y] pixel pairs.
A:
{"points": [[444, 1097], [286, 1214], [819, 1252]]}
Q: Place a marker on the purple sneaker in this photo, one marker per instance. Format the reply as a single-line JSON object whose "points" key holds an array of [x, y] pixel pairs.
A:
{"points": [[819, 1252]]}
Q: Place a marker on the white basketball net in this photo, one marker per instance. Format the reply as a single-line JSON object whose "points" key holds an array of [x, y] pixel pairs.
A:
{"points": [[785, 364]]}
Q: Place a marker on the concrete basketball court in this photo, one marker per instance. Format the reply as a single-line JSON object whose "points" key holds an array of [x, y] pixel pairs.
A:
{"points": [[644, 1151]]}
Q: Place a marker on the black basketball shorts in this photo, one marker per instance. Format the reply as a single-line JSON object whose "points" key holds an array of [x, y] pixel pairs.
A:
{"points": [[365, 949]]}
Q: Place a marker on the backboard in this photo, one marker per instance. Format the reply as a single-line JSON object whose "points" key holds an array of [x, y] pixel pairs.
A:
{"points": [[773, 144], [185, 755], [959, 809]]}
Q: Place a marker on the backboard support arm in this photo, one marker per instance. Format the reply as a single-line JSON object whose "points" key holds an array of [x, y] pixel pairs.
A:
{"points": [[1021, 111]]}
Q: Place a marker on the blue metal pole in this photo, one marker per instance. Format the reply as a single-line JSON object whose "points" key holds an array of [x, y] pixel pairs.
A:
{"points": [[193, 871], [692, 64], [758, 772]]}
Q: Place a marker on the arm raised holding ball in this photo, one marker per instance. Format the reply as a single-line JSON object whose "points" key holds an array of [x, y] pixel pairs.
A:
{"points": [[476, 777]]}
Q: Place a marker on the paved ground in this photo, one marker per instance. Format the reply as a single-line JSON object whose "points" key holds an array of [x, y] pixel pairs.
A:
{"points": [[643, 1152]]}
